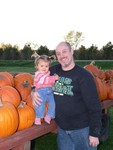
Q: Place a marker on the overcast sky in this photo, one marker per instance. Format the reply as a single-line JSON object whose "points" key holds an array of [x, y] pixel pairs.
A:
{"points": [[46, 22]]}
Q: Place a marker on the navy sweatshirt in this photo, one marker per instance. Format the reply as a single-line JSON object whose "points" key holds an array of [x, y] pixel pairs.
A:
{"points": [[76, 98]]}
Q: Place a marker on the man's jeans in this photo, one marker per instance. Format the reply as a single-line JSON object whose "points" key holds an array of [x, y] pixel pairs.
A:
{"points": [[74, 140]]}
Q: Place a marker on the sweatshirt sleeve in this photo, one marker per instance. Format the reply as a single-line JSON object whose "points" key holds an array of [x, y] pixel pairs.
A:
{"points": [[51, 79], [92, 102]]}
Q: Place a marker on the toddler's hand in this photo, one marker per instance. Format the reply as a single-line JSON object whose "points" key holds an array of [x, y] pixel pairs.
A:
{"points": [[57, 77]]}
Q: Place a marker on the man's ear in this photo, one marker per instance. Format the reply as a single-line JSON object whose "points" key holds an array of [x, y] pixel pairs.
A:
{"points": [[72, 51]]}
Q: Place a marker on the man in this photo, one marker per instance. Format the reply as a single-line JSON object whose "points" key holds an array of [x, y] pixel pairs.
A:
{"points": [[78, 109]]}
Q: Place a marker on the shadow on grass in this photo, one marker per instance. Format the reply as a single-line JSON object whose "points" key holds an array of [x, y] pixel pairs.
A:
{"points": [[108, 144], [45, 142]]}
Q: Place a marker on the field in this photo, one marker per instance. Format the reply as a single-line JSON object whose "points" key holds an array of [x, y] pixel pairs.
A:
{"points": [[28, 65], [48, 141]]}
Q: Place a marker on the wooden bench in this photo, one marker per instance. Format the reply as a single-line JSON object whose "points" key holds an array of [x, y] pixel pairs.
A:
{"points": [[107, 103], [21, 140]]}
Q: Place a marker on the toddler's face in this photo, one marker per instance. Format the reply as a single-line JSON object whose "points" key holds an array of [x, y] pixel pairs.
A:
{"points": [[43, 66]]}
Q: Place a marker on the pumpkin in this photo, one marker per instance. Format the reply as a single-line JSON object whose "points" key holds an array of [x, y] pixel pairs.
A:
{"points": [[108, 74], [26, 116], [21, 78], [10, 94], [92, 68], [24, 89], [110, 94], [4, 81], [101, 74], [28, 101], [8, 119], [46, 109], [101, 88], [10, 76], [108, 85]]}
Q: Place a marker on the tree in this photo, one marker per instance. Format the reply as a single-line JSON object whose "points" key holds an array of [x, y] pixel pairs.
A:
{"points": [[74, 38], [82, 53], [108, 51], [43, 50], [10, 52], [92, 52], [26, 52], [1, 52]]}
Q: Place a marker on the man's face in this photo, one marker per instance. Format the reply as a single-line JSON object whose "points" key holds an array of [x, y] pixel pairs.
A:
{"points": [[64, 55]]}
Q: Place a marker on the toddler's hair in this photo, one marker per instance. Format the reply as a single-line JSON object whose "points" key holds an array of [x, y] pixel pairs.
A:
{"points": [[42, 57]]}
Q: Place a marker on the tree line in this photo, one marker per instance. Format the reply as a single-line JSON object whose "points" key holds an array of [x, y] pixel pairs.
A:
{"points": [[9, 52]]}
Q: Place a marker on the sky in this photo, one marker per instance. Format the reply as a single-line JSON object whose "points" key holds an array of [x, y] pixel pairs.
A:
{"points": [[46, 22]]}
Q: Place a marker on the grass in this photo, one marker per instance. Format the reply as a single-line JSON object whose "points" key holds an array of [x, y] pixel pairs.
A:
{"points": [[28, 65], [48, 141], [108, 144], [17, 69], [45, 142], [102, 64]]}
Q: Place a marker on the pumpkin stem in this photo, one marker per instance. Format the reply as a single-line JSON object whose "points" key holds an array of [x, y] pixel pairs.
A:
{"points": [[92, 62], [26, 83], [1, 102], [21, 105]]}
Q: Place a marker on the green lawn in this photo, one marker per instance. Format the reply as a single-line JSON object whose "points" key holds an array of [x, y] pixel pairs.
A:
{"points": [[28, 65], [17, 69], [45, 142]]}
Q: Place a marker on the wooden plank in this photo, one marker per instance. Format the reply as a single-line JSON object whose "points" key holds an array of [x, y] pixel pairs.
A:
{"points": [[106, 103], [28, 134], [25, 146]]}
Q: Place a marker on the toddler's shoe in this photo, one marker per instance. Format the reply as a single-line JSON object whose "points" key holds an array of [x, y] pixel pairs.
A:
{"points": [[47, 119], [37, 121]]}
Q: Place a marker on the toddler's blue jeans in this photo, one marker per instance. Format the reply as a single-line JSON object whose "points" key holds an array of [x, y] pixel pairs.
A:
{"points": [[47, 96]]}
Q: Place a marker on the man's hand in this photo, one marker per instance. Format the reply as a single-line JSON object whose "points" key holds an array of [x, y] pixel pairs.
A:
{"points": [[93, 141], [36, 100]]}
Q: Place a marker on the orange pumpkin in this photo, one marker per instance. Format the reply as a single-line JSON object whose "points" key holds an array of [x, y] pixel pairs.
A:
{"points": [[92, 68], [4, 81], [110, 94], [101, 88], [8, 119], [101, 74], [28, 101], [24, 89], [10, 94], [21, 78], [108, 85], [26, 116], [108, 74], [10, 76], [46, 109]]}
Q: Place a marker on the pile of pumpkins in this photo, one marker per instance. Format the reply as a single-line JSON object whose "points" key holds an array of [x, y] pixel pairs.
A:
{"points": [[16, 109], [103, 79]]}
